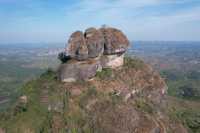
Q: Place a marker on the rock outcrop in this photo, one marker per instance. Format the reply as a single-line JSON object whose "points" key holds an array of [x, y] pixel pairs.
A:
{"points": [[115, 41], [95, 42], [88, 52], [78, 70], [77, 46]]}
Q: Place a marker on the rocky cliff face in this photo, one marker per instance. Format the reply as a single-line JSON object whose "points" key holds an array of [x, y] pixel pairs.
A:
{"points": [[101, 92], [91, 51]]}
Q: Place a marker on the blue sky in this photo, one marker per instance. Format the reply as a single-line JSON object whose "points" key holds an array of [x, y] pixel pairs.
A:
{"points": [[48, 21]]}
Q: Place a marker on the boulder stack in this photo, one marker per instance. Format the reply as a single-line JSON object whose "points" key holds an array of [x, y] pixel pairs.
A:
{"points": [[89, 52]]}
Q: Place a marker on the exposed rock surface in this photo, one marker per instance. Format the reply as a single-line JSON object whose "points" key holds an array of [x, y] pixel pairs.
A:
{"points": [[105, 46], [75, 70], [115, 41], [77, 47], [23, 99], [95, 42], [112, 61]]}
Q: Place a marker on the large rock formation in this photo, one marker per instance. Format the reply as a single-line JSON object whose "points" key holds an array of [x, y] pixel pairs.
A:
{"points": [[77, 47], [88, 52], [115, 41], [79, 70], [95, 42]]}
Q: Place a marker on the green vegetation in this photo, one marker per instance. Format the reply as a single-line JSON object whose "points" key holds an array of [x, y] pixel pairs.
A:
{"points": [[12, 76], [48, 108], [29, 117], [51, 107], [186, 112], [106, 73], [184, 85], [85, 97], [62, 57], [133, 63], [144, 106], [18, 68], [191, 119]]}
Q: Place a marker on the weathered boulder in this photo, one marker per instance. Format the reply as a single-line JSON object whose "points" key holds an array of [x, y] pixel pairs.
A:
{"points": [[78, 70], [95, 42], [89, 51], [23, 99], [112, 61], [77, 47], [89, 32], [115, 41]]}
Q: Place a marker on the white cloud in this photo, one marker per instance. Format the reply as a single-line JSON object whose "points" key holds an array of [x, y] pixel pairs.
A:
{"points": [[139, 19], [132, 17]]}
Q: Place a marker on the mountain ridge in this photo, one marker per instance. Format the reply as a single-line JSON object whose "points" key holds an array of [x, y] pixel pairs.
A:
{"points": [[105, 104]]}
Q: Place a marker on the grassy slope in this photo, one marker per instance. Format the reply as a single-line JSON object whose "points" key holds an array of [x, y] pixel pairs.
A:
{"points": [[16, 70], [12, 76], [35, 117]]}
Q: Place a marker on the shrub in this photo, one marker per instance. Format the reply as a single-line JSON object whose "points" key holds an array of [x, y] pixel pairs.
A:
{"points": [[190, 119], [49, 74], [63, 57], [106, 73], [133, 63], [144, 106], [115, 99], [20, 107], [88, 95]]}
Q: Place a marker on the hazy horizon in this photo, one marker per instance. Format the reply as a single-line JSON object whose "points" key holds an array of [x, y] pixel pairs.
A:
{"points": [[65, 43]]}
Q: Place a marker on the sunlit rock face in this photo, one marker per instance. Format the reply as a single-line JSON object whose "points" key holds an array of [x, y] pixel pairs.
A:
{"points": [[92, 50], [95, 42], [115, 41], [112, 61], [77, 47], [78, 70]]}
